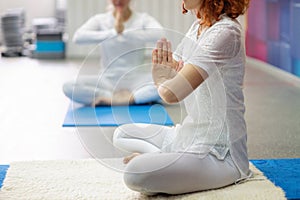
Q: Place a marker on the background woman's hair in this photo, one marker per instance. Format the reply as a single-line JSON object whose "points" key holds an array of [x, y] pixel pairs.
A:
{"points": [[211, 10]]}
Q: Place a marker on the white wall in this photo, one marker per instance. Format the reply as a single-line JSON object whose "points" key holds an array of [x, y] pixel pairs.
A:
{"points": [[242, 20], [167, 12], [79, 11]]}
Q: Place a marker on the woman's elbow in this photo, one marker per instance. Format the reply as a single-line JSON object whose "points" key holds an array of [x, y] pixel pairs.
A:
{"points": [[167, 95], [77, 38]]}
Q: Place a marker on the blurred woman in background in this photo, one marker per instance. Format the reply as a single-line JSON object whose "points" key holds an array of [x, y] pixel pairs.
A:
{"points": [[122, 34]]}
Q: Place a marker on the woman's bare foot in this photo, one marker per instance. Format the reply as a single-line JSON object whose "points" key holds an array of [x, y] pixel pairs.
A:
{"points": [[122, 97], [100, 101], [130, 157]]}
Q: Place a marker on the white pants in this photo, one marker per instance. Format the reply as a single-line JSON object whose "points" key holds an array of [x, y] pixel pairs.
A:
{"points": [[86, 89], [173, 173]]}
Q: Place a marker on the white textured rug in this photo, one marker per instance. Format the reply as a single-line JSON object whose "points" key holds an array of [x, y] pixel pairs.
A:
{"points": [[88, 179]]}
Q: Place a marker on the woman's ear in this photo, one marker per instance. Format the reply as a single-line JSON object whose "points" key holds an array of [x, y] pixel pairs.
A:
{"points": [[184, 11]]}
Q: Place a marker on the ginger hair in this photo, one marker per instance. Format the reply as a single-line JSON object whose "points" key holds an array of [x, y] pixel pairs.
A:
{"points": [[211, 10]]}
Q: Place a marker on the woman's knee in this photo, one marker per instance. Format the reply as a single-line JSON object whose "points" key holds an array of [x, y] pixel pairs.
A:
{"points": [[117, 135], [120, 133], [144, 173], [138, 183], [68, 89], [137, 179]]}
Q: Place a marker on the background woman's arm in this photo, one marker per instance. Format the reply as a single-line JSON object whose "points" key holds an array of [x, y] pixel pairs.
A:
{"points": [[151, 32], [91, 33]]}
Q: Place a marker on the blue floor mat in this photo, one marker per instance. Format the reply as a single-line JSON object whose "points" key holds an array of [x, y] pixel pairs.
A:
{"points": [[3, 169], [116, 115], [284, 173]]}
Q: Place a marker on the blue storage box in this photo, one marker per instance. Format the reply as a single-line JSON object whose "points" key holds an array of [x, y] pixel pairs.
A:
{"points": [[285, 57], [296, 66], [273, 18], [50, 46], [285, 16], [273, 53], [279, 55], [295, 28]]}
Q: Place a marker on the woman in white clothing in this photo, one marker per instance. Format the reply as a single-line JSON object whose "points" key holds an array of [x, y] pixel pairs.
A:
{"points": [[122, 35], [208, 150]]}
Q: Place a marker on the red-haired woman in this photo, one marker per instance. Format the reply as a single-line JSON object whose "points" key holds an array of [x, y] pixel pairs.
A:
{"points": [[208, 150]]}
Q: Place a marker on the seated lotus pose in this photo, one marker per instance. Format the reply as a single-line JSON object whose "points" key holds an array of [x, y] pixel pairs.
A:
{"points": [[208, 149], [123, 35]]}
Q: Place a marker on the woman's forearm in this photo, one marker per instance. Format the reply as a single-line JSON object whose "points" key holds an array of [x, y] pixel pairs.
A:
{"points": [[146, 35], [92, 37], [185, 82]]}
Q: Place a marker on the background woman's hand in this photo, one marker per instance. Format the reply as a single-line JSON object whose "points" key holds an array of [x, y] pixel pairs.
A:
{"points": [[119, 22]]}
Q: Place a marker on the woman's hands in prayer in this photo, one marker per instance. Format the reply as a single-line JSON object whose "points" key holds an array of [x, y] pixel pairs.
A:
{"points": [[164, 67], [119, 21]]}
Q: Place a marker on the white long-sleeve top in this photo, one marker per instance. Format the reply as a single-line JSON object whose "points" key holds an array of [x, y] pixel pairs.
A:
{"points": [[121, 55]]}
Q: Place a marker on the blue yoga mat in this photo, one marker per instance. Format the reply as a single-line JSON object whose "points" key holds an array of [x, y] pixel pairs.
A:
{"points": [[284, 173], [3, 169], [116, 115]]}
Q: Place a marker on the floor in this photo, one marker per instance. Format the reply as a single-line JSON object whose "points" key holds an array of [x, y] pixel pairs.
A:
{"points": [[33, 107]]}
